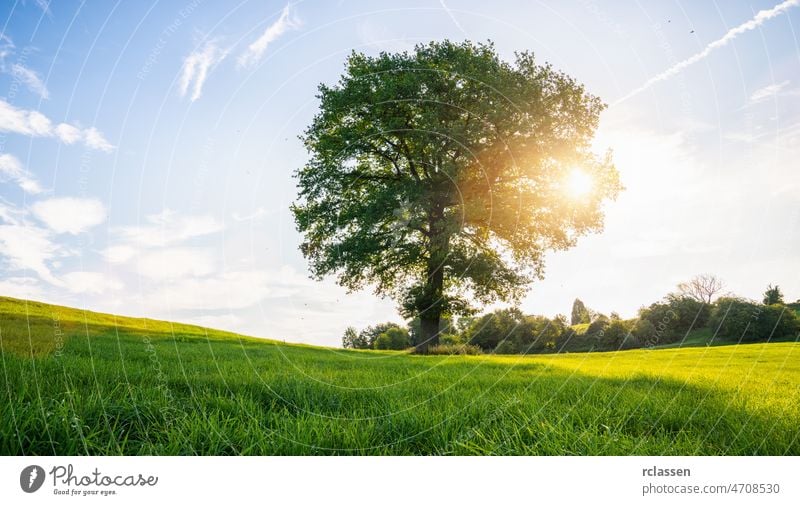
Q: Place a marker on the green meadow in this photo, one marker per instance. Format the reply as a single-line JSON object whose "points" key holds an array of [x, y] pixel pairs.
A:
{"points": [[77, 382]]}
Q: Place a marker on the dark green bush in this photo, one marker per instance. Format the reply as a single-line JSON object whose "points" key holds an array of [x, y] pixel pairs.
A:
{"points": [[743, 320], [394, 338]]}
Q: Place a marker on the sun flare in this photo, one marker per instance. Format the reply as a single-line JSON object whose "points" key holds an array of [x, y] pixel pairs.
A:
{"points": [[578, 183]]}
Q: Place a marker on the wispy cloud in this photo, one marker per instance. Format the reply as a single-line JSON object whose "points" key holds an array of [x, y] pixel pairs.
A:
{"points": [[26, 247], [197, 66], [11, 168], [256, 50], [254, 216], [767, 91], [36, 124], [167, 228], [31, 79], [760, 18], [93, 283], [175, 263]]}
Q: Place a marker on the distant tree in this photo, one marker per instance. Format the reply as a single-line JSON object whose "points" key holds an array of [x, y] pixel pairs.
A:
{"points": [[702, 288], [742, 320], [645, 332], [674, 317], [395, 338], [580, 314], [489, 330], [352, 339], [616, 334], [773, 295], [365, 339], [437, 176]]}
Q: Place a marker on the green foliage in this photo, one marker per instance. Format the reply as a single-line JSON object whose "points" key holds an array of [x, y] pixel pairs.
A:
{"points": [[435, 175], [353, 340], [448, 329], [673, 318], [394, 338], [508, 331], [489, 330], [598, 326], [742, 320], [773, 295], [617, 334], [580, 314], [645, 332], [366, 338]]}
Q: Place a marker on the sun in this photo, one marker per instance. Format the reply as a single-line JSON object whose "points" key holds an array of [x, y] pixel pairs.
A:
{"points": [[578, 183]]}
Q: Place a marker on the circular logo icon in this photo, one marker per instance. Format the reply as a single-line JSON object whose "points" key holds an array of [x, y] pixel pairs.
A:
{"points": [[31, 478]]}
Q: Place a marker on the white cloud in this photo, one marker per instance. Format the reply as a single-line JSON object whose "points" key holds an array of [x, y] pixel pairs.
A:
{"points": [[760, 18], [254, 216], [9, 214], [31, 79], [197, 66], [95, 139], [175, 263], [119, 253], [94, 283], [167, 228], [36, 124], [25, 288], [18, 71], [11, 168], [67, 133], [229, 290], [6, 48], [767, 91], [28, 248], [70, 215], [255, 51], [219, 321]]}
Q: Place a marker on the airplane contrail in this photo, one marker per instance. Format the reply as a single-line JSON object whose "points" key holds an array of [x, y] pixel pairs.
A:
{"points": [[452, 17], [752, 24]]}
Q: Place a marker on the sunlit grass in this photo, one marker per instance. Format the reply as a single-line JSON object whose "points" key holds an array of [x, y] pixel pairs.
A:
{"points": [[129, 389]]}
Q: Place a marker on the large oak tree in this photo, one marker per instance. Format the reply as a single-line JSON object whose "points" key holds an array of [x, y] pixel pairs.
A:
{"points": [[438, 176]]}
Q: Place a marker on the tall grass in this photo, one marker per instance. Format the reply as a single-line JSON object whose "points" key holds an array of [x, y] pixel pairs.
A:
{"points": [[100, 384]]}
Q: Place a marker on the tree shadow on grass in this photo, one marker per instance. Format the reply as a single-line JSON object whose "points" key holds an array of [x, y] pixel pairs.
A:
{"points": [[120, 397]]}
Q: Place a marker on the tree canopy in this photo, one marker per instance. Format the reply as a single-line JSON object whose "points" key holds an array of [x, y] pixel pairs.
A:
{"points": [[437, 176]]}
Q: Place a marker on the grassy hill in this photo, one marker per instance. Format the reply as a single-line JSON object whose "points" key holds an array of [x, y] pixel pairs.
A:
{"points": [[77, 382]]}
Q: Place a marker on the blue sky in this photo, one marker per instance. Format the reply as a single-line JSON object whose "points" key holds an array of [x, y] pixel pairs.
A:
{"points": [[146, 149]]}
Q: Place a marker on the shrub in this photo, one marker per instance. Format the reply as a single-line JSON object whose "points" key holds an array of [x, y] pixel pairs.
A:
{"points": [[507, 346], [673, 318], [395, 338], [616, 333], [489, 330], [645, 332], [736, 318]]}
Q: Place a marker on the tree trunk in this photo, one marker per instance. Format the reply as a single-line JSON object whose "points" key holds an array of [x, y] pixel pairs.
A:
{"points": [[429, 324], [430, 308]]}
